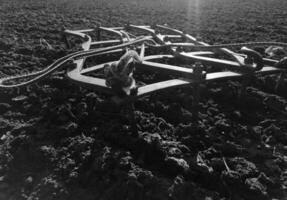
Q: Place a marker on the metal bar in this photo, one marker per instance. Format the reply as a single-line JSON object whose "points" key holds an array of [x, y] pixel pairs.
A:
{"points": [[147, 89], [75, 33], [166, 68], [85, 30], [211, 61], [200, 53], [112, 31], [117, 28], [110, 42], [95, 68], [142, 28], [171, 30], [268, 61], [142, 53], [154, 57], [94, 83], [173, 36], [193, 39]]}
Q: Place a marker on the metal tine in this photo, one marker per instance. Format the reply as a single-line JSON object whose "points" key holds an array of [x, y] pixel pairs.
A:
{"points": [[117, 28], [107, 42], [142, 28], [112, 31], [75, 33], [117, 31], [85, 30]]}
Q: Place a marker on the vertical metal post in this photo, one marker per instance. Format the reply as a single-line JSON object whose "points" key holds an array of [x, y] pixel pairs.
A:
{"points": [[98, 32], [197, 76], [195, 102], [66, 41], [129, 112], [132, 119], [243, 88]]}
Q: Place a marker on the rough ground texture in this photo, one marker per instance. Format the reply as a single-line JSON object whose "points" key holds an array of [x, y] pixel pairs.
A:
{"points": [[60, 141]]}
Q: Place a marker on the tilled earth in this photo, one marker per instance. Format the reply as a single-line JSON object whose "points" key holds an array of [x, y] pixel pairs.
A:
{"points": [[60, 141]]}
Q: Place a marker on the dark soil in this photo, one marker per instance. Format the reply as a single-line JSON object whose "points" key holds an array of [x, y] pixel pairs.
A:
{"points": [[61, 141]]}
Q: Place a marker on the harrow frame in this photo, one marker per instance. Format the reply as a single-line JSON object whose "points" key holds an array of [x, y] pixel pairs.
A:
{"points": [[159, 38], [236, 66]]}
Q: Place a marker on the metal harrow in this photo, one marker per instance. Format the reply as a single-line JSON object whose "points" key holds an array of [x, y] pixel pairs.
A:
{"points": [[168, 44]]}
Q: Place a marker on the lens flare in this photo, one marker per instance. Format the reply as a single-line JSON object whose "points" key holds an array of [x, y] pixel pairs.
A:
{"points": [[193, 12]]}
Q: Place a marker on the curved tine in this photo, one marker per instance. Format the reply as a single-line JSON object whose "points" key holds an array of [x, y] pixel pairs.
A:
{"points": [[172, 30], [87, 44], [184, 35], [112, 31], [154, 57], [75, 33], [131, 34], [145, 29], [251, 54], [126, 35], [86, 30], [155, 44]]}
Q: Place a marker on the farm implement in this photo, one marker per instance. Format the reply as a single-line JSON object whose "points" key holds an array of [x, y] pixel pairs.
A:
{"points": [[164, 50]]}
